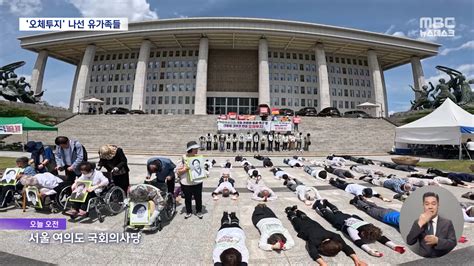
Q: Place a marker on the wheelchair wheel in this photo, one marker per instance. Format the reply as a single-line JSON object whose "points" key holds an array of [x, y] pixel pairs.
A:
{"points": [[114, 200], [61, 199], [170, 209], [126, 219]]}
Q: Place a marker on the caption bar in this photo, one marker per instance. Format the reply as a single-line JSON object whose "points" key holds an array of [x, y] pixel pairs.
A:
{"points": [[73, 24], [77, 238], [32, 223]]}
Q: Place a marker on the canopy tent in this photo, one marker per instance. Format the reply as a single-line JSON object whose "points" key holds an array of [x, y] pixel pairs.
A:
{"points": [[92, 100], [28, 124], [447, 125], [370, 108]]}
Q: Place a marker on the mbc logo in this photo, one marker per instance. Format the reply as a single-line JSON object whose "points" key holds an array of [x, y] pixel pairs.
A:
{"points": [[437, 27]]}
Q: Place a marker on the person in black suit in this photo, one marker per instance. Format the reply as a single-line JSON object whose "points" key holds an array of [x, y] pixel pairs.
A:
{"points": [[435, 235]]}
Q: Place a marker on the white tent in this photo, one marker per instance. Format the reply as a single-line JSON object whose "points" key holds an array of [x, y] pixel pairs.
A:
{"points": [[447, 125]]}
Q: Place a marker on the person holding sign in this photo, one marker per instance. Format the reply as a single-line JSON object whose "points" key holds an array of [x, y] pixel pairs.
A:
{"points": [[9, 180], [190, 169], [98, 183]]}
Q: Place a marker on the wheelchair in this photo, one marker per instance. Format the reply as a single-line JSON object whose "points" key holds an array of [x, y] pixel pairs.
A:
{"points": [[110, 201], [165, 215], [55, 202]]}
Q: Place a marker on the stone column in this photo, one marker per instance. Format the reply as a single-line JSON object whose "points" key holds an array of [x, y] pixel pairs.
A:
{"points": [[140, 76], [376, 76], [418, 76], [36, 81], [323, 79], [201, 78], [83, 77], [385, 94], [74, 83], [263, 73]]}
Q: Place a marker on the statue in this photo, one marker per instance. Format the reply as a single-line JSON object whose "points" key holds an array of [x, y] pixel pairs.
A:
{"points": [[459, 85], [423, 101], [443, 93], [13, 89]]}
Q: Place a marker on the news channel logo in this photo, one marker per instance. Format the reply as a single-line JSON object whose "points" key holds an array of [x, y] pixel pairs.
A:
{"points": [[437, 27]]}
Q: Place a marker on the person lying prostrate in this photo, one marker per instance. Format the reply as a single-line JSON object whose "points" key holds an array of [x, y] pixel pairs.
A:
{"points": [[278, 173], [254, 173], [263, 193], [225, 187], [230, 246], [339, 172], [356, 189], [293, 163], [386, 215], [319, 241], [316, 172], [365, 171], [273, 236], [361, 232]]}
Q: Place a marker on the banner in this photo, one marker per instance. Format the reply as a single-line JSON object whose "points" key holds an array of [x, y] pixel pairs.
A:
{"points": [[11, 129], [236, 125]]}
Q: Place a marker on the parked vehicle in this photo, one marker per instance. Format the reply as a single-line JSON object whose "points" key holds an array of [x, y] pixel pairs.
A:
{"points": [[137, 112], [357, 114], [307, 111], [287, 112], [117, 111], [330, 111]]}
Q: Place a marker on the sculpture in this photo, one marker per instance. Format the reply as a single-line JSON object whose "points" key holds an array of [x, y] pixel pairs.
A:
{"points": [[457, 89], [13, 89]]}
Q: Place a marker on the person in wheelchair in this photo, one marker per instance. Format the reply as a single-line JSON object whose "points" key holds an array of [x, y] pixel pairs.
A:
{"points": [[49, 187], [7, 191], [156, 203], [99, 182]]}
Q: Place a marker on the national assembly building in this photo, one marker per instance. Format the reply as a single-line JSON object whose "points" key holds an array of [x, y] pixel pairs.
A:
{"points": [[220, 65]]}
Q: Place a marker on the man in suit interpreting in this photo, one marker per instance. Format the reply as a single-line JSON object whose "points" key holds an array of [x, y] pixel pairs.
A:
{"points": [[435, 235]]}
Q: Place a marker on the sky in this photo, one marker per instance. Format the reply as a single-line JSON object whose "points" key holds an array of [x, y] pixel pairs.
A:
{"points": [[393, 17]]}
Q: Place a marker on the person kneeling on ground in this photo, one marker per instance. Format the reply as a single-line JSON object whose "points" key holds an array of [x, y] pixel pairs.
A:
{"points": [[319, 241], [225, 187], [361, 232], [273, 235], [99, 182], [230, 246]]}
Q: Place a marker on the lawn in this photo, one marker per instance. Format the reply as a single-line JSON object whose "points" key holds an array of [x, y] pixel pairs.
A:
{"points": [[6, 162], [450, 166]]}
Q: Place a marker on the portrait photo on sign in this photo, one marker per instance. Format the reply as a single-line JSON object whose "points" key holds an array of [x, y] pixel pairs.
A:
{"points": [[9, 176], [80, 192], [33, 196], [196, 168], [139, 213]]}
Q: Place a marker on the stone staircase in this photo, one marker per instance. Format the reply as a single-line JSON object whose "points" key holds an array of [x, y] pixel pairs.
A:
{"points": [[168, 134]]}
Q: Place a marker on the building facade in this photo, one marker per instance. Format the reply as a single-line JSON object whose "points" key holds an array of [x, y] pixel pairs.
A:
{"points": [[221, 65]]}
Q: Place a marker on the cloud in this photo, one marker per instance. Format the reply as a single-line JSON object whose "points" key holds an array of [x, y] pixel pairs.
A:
{"points": [[23, 7], [465, 46], [389, 30], [178, 15], [134, 10], [399, 34]]}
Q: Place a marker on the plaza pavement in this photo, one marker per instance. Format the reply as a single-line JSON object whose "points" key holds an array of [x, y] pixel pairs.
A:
{"points": [[190, 242]]}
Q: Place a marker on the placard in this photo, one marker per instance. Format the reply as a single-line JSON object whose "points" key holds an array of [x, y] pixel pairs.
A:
{"points": [[80, 192]]}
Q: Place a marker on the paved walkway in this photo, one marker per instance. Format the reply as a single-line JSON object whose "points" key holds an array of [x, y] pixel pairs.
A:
{"points": [[190, 242]]}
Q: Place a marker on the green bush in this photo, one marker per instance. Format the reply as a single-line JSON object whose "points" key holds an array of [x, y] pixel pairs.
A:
{"points": [[7, 111]]}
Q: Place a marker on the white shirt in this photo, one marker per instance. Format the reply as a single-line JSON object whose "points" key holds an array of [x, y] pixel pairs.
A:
{"points": [[293, 162], [270, 226], [224, 185], [230, 238], [470, 145], [435, 224], [97, 178], [279, 174], [356, 189], [48, 180]]}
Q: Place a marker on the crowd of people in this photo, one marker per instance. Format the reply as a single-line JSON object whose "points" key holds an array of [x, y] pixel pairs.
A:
{"points": [[255, 142], [162, 174]]}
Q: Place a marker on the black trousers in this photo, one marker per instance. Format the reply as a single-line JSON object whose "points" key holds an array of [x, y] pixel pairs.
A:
{"points": [[83, 205], [262, 146], [228, 145], [234, 146], [122, 181], [270, 146], [248, 146], [277, 146], [208, 145], [241, 146], [262, 212], [189, 192], [225, 223], [341, 184], [333, 215], [255, 146]]}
